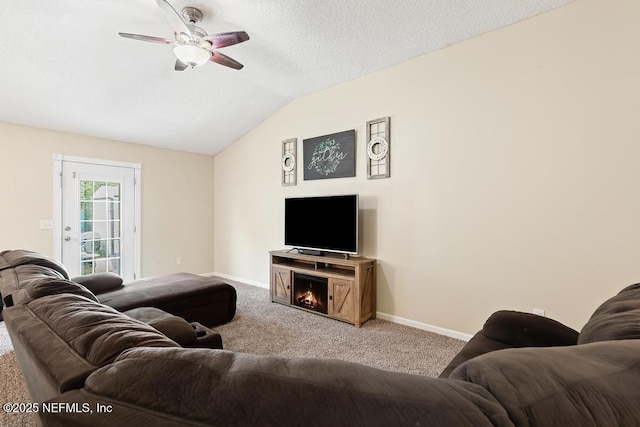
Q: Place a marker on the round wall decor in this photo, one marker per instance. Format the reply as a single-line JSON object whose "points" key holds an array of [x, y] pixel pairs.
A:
{"points": [[377, 148], [288, 162]]}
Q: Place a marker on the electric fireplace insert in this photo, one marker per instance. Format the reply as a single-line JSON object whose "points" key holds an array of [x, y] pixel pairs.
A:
{"points": [[311, 292]]}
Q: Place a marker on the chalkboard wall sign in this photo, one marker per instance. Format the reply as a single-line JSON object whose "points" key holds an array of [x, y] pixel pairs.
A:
{"points": [[330, 156]]}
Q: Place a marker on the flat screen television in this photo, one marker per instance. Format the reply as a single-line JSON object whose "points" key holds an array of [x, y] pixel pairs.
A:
{"points": [[324, 223]]}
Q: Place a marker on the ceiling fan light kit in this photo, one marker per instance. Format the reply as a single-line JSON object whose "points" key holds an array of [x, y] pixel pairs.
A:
{"points": [[193, 56], [192, 46]]}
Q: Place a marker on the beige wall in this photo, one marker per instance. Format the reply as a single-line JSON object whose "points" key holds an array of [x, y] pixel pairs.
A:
{"points": [[514, 172], [177, 196]]}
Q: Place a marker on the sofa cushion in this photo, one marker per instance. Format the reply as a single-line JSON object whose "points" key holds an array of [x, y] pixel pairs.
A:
{"points": [[217, 387], [13, 279], [593, 384], [14, 258], [99, 282], [94, 331], [618, 318], [37, 288], [61, 339]]}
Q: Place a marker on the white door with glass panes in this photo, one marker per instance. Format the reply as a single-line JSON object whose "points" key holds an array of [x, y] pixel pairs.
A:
{"points": [[98, 218]]}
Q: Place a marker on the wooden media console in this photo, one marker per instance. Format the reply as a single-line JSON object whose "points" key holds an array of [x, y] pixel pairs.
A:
{"points": [[329, 285]]}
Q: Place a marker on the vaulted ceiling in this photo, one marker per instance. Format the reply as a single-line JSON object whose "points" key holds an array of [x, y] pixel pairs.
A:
{"points": [[64, 67]]}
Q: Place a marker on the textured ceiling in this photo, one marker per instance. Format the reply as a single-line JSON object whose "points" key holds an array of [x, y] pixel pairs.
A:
{"points": [[64, 67]]}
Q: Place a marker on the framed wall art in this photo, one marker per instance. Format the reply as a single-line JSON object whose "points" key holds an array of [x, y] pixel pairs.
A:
{"points": [[330, 156], [288, 161], [378, 148]]}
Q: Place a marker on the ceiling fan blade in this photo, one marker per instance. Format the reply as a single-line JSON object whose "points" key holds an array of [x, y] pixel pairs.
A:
{"points": [[180, 66], [147, 38], [221, 59], [179, 26], [226, 39]]}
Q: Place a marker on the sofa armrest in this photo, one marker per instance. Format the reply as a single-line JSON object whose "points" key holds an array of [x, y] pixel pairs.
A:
{"points": [[176, 328], [519, 329], [173, 327], [512, 329]]}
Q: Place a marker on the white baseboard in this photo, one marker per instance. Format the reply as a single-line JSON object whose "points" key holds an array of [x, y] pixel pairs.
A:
{"points": [[424, 326], [380, 315], [239, 279]]}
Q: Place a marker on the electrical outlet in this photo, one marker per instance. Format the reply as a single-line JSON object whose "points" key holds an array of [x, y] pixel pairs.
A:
{"points": [[538, 311], [178, 261]]}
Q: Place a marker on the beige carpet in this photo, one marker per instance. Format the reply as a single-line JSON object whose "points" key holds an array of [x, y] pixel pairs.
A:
{"points": [[13, 390], [5, 341], [263, 327]]}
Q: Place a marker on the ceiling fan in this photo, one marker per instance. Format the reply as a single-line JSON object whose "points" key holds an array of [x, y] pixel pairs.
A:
{"points": [[193, 46]]}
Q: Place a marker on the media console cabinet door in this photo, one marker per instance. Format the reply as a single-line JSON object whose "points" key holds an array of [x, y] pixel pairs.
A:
{"points": [[281, 285], [342, 300]]}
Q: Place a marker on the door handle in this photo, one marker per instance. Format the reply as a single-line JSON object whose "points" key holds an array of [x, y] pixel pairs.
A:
{"points": [[67, 238]]}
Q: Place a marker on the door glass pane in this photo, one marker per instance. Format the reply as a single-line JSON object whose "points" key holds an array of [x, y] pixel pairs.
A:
{"points": [[100, 227]]}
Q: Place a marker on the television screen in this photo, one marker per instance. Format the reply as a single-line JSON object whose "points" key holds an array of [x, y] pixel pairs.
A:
{"points": [[326, 223]]}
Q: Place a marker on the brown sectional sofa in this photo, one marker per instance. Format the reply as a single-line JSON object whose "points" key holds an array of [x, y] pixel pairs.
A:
{"points": [[107, 369], [205, 300], [178, 305]]}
